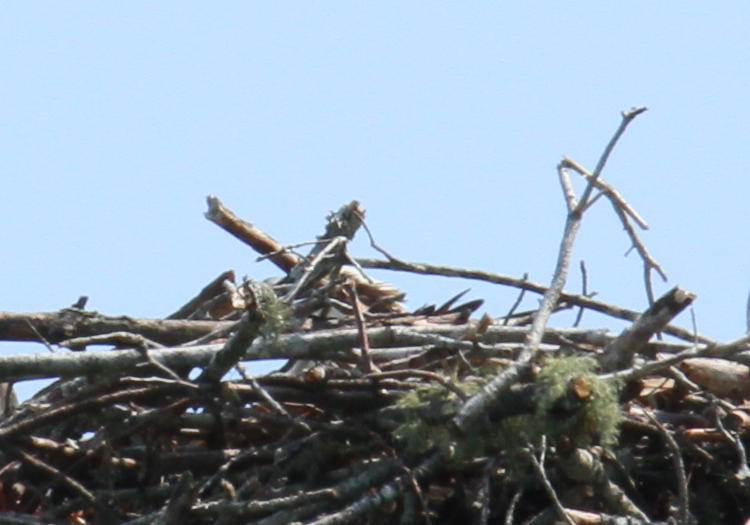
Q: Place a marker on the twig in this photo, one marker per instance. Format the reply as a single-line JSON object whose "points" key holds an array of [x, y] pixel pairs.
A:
{"points": [[58, 475], [317, 267], [517, 302], [289, 248], [627, 118], [376, 246], [679, 466], [714, 350], [609, 190], [512, 506], [571, 200], [211, 290], [248, 378], [112, 338], [432, 376], [321, 345], [42, 339], [743, 472], [91, 405], [584, 292], [234, 349], [623, 210], [612, 310], [377, 498], [366, 361], [538, 464]]}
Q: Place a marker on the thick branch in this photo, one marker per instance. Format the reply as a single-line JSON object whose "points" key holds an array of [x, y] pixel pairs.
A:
{"points": [[258, 240], [320, 345], [619, 353], [72, 322]]}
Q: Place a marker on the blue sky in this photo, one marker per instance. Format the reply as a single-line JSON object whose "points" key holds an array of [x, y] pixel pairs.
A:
{"points": [[446, 121]]}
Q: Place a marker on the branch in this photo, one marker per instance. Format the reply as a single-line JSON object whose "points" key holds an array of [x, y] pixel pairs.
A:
{"points": [[258, 240], [612, 310], [210, 291], [248, 329], [619, 353], [335, 344], [478, 404], [68, 323], [538, 464], [679, 466]]}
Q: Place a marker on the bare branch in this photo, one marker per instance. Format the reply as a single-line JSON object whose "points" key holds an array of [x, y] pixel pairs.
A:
{"points": [[258, 240], [612, 310], [619, 353], [478, 403]]}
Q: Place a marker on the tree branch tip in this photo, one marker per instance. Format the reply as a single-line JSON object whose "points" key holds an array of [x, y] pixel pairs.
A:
{"points": [[214, 204], [634, 112]]}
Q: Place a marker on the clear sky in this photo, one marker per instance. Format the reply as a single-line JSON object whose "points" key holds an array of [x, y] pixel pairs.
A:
{"points": [[446, 120]]}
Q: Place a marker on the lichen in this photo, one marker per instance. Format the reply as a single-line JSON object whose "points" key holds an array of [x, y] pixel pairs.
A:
{"points": [[574, 402]]}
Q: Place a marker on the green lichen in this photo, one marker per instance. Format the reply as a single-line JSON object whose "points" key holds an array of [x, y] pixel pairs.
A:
{"points": [[428, 409], [276, 314], [582, 419], [581, 416]]}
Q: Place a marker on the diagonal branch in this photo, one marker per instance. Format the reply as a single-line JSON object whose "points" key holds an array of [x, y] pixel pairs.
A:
{"points": [[619, 353], [258, 240], [478, 404]]}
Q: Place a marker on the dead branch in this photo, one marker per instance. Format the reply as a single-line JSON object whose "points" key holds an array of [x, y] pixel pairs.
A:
{"points": [[612, 310], [209, 292], [619, 353], [249, 234], [477, 404], [69, 323]]}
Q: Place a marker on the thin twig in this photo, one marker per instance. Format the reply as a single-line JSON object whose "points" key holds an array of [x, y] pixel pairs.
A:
{"points": [[512, 506], [262, 393], [538, 464], [679, 466], [623, 210], [571, 200], [366, 361], [584, 292], [627, 118], [57, 474], [517, 302], [317, 267], [375, 245], [609, 190], [743, 472], [42, 339], [610, 309], [433, 376], [289, 248]]}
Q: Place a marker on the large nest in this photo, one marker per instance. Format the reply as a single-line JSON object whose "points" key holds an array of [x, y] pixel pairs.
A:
{"points": [[380, 414]]}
